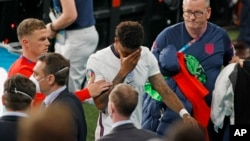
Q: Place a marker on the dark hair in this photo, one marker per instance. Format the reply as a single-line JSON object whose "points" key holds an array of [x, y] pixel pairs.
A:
{"points": [[130, 34], [125, 99], [14, 86], [28, 26], [57, 65]]}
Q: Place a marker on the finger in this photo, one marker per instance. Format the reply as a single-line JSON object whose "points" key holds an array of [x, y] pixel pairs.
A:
{"points": [[136, 55], [100, 81], [109, 84], [194, 123], [104, 89], [120, 54]]}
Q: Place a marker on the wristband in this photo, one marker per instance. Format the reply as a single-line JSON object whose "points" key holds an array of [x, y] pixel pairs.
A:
{"points": [[52, 28], [183, 112]]}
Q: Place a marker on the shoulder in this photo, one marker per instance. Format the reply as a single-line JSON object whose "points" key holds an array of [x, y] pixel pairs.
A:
{"points": [[216, 28], [146, 54], [22, 66], [173, 28], [102, 53], [229, 68], [67, 97], [148, 133], [145, 51], [109, 137]]}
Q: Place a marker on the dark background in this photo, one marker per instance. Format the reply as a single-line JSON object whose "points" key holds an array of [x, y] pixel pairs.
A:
{"points": [[155, 15]]}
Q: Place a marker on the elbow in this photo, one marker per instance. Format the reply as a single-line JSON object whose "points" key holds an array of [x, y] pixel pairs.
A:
{"points": [[73, 17], [70, 18]]}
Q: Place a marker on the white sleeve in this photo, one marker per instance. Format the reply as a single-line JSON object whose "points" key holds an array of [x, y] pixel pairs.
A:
{"points": [[94, 65], [154, 67], [222, 99]]}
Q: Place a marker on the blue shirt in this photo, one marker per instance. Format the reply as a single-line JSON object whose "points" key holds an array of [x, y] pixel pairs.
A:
{"points": [[213, 49], [85, 14]]}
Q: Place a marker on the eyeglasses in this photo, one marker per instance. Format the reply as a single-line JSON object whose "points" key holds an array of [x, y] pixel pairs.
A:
{"points": [[196, 14]]}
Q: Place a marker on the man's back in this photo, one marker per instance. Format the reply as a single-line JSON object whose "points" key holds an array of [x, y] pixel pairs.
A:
{"points": [[8, 128], [128, 132], [71, 101]]}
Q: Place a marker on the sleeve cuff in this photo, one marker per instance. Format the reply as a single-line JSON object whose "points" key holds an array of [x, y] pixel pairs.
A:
{"points": [[83, 94]]}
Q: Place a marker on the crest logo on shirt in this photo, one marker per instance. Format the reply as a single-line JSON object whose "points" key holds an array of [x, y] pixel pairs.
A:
{"points": [[209, 48], [90, 74]]}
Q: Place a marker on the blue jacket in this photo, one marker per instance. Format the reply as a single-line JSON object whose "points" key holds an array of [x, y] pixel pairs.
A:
{"points": [[156, 116]]}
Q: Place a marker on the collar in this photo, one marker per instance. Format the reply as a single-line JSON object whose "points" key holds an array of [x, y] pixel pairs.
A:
{"points": [[28, 60], [119, 123], [52, 96], [114, 51], [12, 113]]}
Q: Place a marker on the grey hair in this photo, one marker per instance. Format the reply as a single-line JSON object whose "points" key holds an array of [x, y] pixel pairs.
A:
{"points": [[207, 3]]}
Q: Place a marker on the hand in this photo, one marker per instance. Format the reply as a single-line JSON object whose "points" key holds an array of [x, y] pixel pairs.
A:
{"points": [[51, 33], [187, 119], [236, 59], [96, 88], [129, 63]]}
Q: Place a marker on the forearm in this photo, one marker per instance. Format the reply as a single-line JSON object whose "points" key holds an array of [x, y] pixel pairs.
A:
{"points": [[62, 22], [172, 101], [68, 15], [168, 96], [101, 101]]}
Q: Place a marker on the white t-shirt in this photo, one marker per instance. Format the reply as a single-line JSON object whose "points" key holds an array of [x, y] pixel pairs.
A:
{"points": [[106, 65]]}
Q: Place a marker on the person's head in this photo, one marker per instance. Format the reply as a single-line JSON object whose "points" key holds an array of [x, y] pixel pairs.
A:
{"points": [[196, 13], [56, 123], [129, 37], [33, 37], [51, 72], [123, 100], [179, 131], [19, 92]]}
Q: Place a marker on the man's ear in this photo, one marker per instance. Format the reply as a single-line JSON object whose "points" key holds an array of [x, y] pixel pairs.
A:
{"points": [[3, 100], [24, 42], [112, 107], [52, 79], [209, 13]]}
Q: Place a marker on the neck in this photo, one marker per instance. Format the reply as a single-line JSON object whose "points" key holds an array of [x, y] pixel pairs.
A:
{"points": [[52, 89], [195, 33], [30, 56], [20, 111], [116, 51], [117, 118]]}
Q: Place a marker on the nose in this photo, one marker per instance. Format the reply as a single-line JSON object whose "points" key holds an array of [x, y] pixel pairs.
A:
{"points": [[47, 42], [192, 16]]}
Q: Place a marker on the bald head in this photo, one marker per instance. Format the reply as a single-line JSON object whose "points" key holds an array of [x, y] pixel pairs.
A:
{"points": [[125, 99], [207, 2]]}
